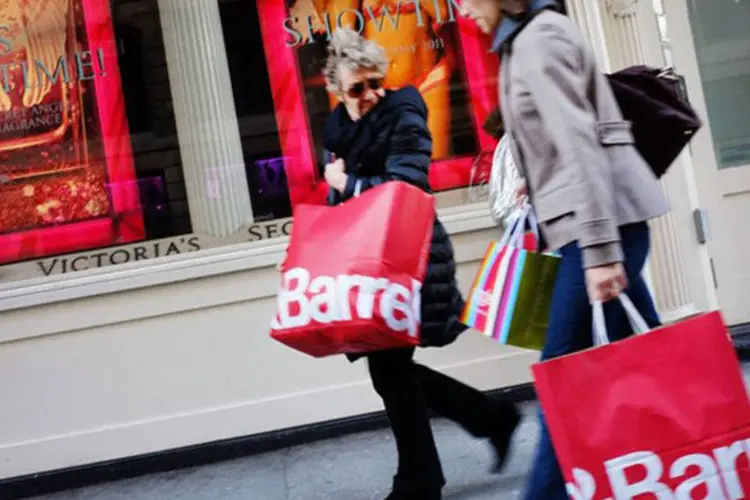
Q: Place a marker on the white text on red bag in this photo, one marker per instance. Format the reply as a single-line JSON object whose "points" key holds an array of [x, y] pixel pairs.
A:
{"points": [[303, 300], [644, 472]]}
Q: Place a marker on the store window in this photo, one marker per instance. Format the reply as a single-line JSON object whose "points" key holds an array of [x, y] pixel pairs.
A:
{"points": [[261, 146], [430, 47], [124, 137], [89, 162]]}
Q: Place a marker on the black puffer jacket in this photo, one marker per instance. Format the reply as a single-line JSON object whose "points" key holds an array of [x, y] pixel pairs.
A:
{"points": [[392, 143]]}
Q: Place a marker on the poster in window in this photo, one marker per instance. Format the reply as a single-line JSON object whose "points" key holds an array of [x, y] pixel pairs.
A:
{"points": [[429, 47], [67, 180]]}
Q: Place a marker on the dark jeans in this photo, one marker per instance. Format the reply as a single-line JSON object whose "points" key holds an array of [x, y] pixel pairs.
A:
{"points": [[408, 391], [570, 331]]}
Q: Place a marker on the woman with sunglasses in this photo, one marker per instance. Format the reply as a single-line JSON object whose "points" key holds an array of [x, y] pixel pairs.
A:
{"points": [[421, 47], [380, 135]]}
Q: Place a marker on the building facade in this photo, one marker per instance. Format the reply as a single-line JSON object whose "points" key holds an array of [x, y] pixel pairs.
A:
{"points": [[152, 154]]}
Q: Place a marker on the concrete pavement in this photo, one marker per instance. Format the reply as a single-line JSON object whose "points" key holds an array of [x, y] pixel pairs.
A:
{"points": [[356, 467]]}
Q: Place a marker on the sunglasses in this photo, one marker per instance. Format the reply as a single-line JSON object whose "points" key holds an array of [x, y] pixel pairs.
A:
{"points": [[359, 88]]}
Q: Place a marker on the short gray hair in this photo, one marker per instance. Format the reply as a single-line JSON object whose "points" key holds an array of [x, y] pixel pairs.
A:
{"points": [[349, 49]]}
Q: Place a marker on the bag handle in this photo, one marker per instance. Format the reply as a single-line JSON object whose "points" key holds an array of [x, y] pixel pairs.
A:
{"points": [[637, 323], [357, 190], [510, 235], [514, 233]]}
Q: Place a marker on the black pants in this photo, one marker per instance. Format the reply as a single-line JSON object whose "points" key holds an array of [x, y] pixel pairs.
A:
{"points": [[408, 391]]}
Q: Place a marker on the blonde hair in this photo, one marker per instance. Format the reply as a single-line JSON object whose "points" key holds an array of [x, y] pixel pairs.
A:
{"points": [[351, 50]]}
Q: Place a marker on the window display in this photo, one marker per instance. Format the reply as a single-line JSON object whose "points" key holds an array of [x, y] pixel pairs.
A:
{"points": [[90, 168], [124, 138], [66, 167], [430, 47]]}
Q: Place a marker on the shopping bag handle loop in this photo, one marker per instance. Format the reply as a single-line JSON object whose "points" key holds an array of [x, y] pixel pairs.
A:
{"points": [[637, 323], [357, 190], [514, 234]]}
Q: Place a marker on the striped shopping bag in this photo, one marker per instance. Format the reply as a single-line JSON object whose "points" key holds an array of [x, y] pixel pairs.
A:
{"points": [[511, 295]]}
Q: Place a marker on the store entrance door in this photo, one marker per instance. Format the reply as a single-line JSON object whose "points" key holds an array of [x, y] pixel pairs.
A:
{"points": [[710, 43]]}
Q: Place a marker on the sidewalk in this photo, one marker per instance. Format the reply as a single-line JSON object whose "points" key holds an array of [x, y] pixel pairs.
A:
{"points": [[357, 467]]}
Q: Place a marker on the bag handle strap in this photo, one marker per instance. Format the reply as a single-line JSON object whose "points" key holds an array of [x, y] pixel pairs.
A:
{"points": [[514, 234], [357, 190], [637, 323]]}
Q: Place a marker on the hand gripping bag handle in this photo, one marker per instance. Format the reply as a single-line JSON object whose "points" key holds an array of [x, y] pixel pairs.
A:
{"points": [[357, 190]]}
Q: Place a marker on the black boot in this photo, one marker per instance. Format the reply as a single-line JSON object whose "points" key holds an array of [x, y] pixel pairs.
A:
{"points": [[510, 417]]}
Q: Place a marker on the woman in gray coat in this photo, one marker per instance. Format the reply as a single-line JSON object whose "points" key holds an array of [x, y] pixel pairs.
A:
{"points": [[591, 190]]}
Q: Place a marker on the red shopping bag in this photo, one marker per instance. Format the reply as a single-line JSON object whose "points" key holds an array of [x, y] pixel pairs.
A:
{"points": [[353, 274], [662, 416]]}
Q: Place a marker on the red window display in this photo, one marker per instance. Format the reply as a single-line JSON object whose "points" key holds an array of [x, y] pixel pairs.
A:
{"points": [[78, 77], [67, 177], [430, 47]]}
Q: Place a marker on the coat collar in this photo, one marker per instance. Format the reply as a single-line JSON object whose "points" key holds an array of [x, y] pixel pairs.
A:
{"points": [[509, 26]]}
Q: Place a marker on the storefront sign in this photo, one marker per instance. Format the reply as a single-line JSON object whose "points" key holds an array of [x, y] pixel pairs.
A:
{"points": [[272, 229], [114, 257], [126, 254]]}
